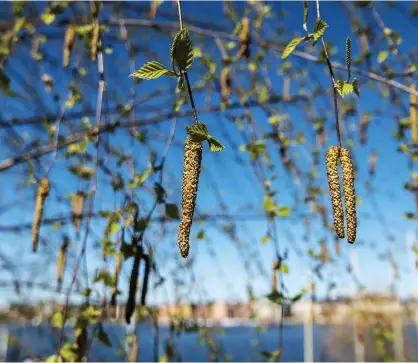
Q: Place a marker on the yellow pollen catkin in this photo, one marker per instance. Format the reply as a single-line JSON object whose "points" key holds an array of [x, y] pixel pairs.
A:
{"points": [[349, 194], [413, 116], [191, 172], [62, 258], [95, 40], [334, 190], [113, 300], [68, 44], [42, 193], [77, 206]]}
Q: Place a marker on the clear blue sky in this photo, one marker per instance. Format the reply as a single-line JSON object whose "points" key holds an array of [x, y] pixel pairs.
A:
{"points": [[225, 277]]}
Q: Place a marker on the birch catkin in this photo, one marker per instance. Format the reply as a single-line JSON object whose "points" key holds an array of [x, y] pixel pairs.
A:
{"points": [[95, 40], [113, 299], [68, 44], [413, 116], [42, 193], [62, 258], [349, 194], [334, 190], [77, 206], [191, 172]]}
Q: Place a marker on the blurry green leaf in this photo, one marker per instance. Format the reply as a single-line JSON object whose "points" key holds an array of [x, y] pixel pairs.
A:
{"points": [[283, 211], [103, 337], [276, 297], [381, 57], [200, 235], [172, 211], [298, 296], [291, 47], [79, 148], [47, 17], [152, 70], [105, 277], [67, 352], [58, 320], [269, 204], [265, 239], [82, 171]]}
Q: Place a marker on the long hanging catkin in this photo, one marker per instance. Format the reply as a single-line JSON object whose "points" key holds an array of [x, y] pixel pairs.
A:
{"points": [[413, 116], [334, 190], [349, 194], [62, 258], [42, 193], [191, 172]]}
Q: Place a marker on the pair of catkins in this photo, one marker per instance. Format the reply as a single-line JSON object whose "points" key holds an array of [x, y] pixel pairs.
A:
{"points": [[334, 154], [191, 171]]}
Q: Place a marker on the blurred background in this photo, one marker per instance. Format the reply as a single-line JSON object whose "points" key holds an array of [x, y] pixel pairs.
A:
{"points": [[266, 278]]}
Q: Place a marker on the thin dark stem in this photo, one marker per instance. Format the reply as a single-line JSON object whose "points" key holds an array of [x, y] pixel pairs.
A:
{"points": [[334, 84], [101, 88], [183, 73], [191, 98]]}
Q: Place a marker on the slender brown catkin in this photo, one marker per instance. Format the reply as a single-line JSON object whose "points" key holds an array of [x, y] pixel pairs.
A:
{"points": [[95, 40], [113, 299], [68, 44], [413, 116], [191, 172], [334, 190], [349, 194], [62, 258], [77, 206], [42, 193]]}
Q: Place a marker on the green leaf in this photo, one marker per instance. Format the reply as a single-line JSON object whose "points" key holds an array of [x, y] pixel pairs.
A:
{"points": [[381, 57], [54, 358], [79, 148], [58, 320], [105, 277], [152, 70], [47, 17], [214, 144], [298, 296], [198, 131], [265, 239], [172, 210], [269, 204], [355, 87], [103, 337], [291, 47], [276, 297], [182, 50], [200, 235], [344, 88], [283, 211], [67, 352], [82, 171], [319, 29]]}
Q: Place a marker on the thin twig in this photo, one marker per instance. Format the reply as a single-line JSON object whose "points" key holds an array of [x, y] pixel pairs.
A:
{"points": [[99, 105], [334, 84]]}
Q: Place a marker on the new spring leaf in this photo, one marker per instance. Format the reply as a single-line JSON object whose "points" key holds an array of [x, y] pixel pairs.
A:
{"points": [[182, 50], [152, 70]]}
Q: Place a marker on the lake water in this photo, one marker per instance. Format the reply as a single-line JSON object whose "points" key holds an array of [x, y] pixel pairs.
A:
{"points": [[241, 343]]}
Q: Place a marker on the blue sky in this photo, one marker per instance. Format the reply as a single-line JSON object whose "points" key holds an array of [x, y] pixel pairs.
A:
{"points": [[225, 276]]}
